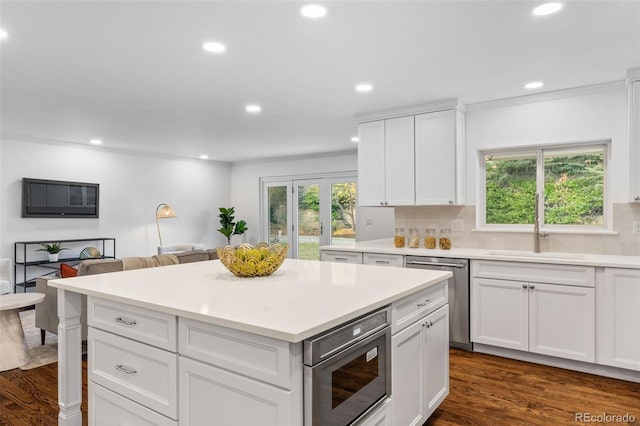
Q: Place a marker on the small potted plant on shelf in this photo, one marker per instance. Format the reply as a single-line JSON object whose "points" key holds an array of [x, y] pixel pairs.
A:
{"points": [[53, 249]]}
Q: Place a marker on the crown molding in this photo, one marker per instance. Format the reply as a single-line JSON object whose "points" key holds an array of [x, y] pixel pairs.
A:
{"points": [[409, 110]]}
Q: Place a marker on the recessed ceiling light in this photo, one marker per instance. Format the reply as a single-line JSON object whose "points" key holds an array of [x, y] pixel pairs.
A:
{"points": [[253, 108], [214, 47], [3, 34], [534, 85], [547, 9], [355, 139], [313, 11], [204, 157], [95, 142], [364, 87]]}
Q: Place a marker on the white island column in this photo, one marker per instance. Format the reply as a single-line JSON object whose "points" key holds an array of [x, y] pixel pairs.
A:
{"points": [[69, 359]]}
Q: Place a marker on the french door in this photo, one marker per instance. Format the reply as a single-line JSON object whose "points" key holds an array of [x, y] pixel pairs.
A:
{"points": [[307, 213]]}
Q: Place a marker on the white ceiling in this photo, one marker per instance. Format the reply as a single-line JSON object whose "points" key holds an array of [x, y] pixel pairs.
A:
{"points": [[134, 74]]}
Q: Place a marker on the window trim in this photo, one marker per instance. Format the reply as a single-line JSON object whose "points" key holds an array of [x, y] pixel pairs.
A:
{"points": [[606, 228]]}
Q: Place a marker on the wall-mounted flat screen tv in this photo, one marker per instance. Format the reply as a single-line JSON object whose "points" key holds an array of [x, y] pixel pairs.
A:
{"points": [[52, 198]]}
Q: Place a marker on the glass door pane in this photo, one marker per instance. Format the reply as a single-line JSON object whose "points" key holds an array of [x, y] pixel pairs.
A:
{"points": [[309, 229], [277, 220], [343, 213]]}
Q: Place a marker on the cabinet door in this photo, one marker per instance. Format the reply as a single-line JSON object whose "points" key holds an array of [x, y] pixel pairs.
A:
{"points": [[407, 368], [436, 352], [399, 171], [380, 259], [340, 256], [618, 321], [562, 321], [499, 313], [216, 396], [371, 164], [634, 141], [435, 158]]}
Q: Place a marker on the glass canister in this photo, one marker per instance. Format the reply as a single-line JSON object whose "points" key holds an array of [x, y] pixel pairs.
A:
{"points": [[445, 240], [398, 239], [414, 238], [430, 238]]}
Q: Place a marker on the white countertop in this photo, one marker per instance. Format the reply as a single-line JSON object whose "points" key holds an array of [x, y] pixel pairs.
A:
{"points": [[385, 246], [299, 300]]}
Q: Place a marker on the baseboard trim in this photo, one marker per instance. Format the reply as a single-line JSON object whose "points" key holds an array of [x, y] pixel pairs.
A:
{"points": [[583, 367]]}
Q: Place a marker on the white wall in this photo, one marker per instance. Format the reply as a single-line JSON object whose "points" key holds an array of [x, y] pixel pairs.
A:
{"points": [[131, 186], [245, 191], [589, 114]]}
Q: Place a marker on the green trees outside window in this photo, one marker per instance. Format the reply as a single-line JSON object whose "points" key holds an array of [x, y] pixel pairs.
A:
{"points": [[573, 186]]}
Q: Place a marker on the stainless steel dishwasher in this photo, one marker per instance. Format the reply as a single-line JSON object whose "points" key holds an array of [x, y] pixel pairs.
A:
{"points": [[459, 335]]}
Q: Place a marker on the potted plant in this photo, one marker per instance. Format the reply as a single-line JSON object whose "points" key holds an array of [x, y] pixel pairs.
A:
{"points": [[53, 249], [228, 227]]}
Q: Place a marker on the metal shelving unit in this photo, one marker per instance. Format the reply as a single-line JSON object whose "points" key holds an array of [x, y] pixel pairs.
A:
{"points": [[27, 247]]}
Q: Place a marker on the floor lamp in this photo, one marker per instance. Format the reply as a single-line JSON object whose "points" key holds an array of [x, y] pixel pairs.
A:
{"points": [[163, 211]]}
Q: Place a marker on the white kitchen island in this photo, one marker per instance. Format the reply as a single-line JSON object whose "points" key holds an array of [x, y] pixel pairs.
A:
{"points": [[198, 320]]}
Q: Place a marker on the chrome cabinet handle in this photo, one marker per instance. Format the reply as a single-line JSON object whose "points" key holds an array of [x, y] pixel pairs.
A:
{"points": [[382, 261], [425, 303], [531, 286], [125, 369], [524, 286], [637, 198], [428, 324], [341, 258], [450, 201], [125, 321]]}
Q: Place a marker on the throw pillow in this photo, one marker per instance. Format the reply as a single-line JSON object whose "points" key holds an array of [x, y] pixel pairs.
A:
{"points": [[68, 271]]}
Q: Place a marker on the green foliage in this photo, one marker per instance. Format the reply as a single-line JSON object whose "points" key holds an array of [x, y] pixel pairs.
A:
{"points": [[573, 190], [52, 248], [228, 227]]}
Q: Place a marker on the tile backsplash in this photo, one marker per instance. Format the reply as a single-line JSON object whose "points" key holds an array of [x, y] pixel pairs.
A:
{"points": [[621, 243]]}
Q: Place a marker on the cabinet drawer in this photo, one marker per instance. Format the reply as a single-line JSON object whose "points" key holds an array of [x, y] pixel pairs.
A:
{"points": [[155, 328], [258, 357], [383, 259], [410, 309], [137, 371], [583, 276], [109, 408], [341, 256]]}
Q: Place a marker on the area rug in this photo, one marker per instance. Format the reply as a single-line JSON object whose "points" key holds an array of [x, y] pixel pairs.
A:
{"points": [[40, 354]]}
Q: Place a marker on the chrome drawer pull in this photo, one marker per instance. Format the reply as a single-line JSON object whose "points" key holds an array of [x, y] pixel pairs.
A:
{"points": [[425, 303], [125, 321], [125, 369], [382, 261], [341, 258]]}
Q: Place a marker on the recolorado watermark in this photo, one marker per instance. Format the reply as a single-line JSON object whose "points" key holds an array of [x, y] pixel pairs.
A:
{"points": [[604, 418]]}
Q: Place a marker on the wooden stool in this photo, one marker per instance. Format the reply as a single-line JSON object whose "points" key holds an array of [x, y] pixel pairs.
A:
{"points": [[13, 346]]}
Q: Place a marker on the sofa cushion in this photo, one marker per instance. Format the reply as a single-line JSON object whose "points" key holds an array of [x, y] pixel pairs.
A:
{"points": [[166, 259], [100, 266], [139, 263], [67, 271], [192, 256], [213, 254]]}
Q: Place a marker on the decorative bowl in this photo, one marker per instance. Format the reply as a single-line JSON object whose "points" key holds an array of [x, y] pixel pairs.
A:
{"points": [[250, 261]]}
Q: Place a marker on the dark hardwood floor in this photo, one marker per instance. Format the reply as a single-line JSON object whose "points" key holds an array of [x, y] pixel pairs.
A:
{"points": [[485, 390]]}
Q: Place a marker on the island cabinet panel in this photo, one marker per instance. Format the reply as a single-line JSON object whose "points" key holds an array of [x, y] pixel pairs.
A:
{"points": [[262, 358], [408, 310], [382, 416], [340, 256], [144, 325], [109, 408], [617, 318], [420, 357], [214, 396], [140, 372]]}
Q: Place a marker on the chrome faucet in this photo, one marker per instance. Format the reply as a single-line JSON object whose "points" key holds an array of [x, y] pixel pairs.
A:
{"points": [[536, 228]]}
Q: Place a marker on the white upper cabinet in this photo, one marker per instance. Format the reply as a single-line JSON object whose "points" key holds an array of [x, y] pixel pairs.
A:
{"points": [[634, 134], [412, 157], [385, 165], [439, 158]]}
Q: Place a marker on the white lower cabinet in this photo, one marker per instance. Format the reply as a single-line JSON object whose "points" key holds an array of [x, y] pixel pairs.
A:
{"points": [[420, 366], [219, 397], [618, 321], [340, 256], [382, 416], [382, 259], [549, 319]]}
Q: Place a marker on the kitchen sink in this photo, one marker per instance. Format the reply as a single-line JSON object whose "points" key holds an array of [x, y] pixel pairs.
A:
{"points": [[533, 255]]}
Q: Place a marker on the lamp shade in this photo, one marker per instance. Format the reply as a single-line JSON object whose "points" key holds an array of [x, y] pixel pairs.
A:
{"points": [[164, 211]]}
